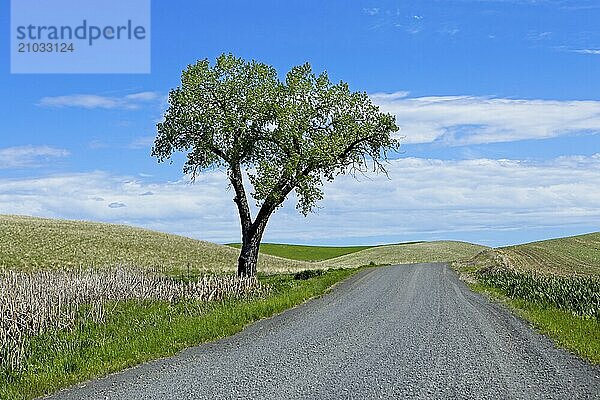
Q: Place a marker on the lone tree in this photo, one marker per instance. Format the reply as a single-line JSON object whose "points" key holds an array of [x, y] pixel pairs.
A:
{"points": [[285, 135]]}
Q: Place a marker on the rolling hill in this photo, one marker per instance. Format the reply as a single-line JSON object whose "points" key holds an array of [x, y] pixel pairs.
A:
{"points": [[31, 243], [574, 255], [439, 251], [305, 253]]}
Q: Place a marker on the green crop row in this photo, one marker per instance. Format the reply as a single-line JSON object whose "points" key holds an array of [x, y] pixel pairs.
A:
{"points": [[576, 294]]}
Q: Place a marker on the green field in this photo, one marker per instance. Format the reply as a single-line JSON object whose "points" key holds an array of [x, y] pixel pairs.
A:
{"points": [[305, 253], [356, 256], [29, 243]]}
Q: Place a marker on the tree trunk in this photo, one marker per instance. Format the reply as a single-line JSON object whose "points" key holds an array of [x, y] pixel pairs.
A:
{"points": [[252, 232], [248, 257], [251, 238]]}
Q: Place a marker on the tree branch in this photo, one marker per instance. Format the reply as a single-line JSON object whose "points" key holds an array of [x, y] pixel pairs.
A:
{"points": [[219, 153], [272, 202], [353, 145], [240, 199]]}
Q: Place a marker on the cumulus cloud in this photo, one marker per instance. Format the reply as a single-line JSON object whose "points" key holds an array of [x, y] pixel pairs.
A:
{"points": [[464, 120], [204, 209], [29, 156], [439, 199], [93, 101], [479, 199]]}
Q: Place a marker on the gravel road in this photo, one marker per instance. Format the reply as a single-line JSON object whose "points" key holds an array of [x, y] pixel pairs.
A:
{"points": [[412, 331]]}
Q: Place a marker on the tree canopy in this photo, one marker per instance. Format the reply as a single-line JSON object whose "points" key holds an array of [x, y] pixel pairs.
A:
{"points": [[286, 135]]}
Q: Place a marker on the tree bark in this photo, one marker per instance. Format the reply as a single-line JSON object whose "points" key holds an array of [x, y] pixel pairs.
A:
{"points": [[248, 259], [251, 238]]}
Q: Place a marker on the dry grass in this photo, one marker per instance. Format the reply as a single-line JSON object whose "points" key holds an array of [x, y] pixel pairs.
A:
{"points": [[28, 243], [442, 251], [34, 302]]}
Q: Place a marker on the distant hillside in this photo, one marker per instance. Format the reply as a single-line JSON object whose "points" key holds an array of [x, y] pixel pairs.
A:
{"points": [[575, 255], [28, 243], [439, 251], [305, 253]]}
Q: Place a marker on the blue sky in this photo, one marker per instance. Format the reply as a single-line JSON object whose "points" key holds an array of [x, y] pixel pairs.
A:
{"points": [[498, 102]]}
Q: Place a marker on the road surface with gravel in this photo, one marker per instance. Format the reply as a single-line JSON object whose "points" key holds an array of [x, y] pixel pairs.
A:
{"points": [[411, 331]]}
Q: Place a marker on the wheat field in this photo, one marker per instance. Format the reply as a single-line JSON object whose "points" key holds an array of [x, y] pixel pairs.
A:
{"points": [[575, 255], [440, 251], [29, 243]]}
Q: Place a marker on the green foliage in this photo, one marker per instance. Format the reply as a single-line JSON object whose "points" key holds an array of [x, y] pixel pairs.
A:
{"points": [[217, 111], [578, 295], [305, 253], [137, 332], [307, 274], [287, 135]]}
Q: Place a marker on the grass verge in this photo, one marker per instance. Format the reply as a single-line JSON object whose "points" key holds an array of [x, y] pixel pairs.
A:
{"points": [[579, 335], [136, 332]]}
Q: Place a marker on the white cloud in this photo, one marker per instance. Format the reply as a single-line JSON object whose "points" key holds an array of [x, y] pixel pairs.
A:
{"points": [[371, 11], [587, 51], [463, 120], [537, 36], [204, 209], [29, 156], [92, 101], [450, 31], [142, 96], [389, 97], [423, 199], [142, 142]]}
